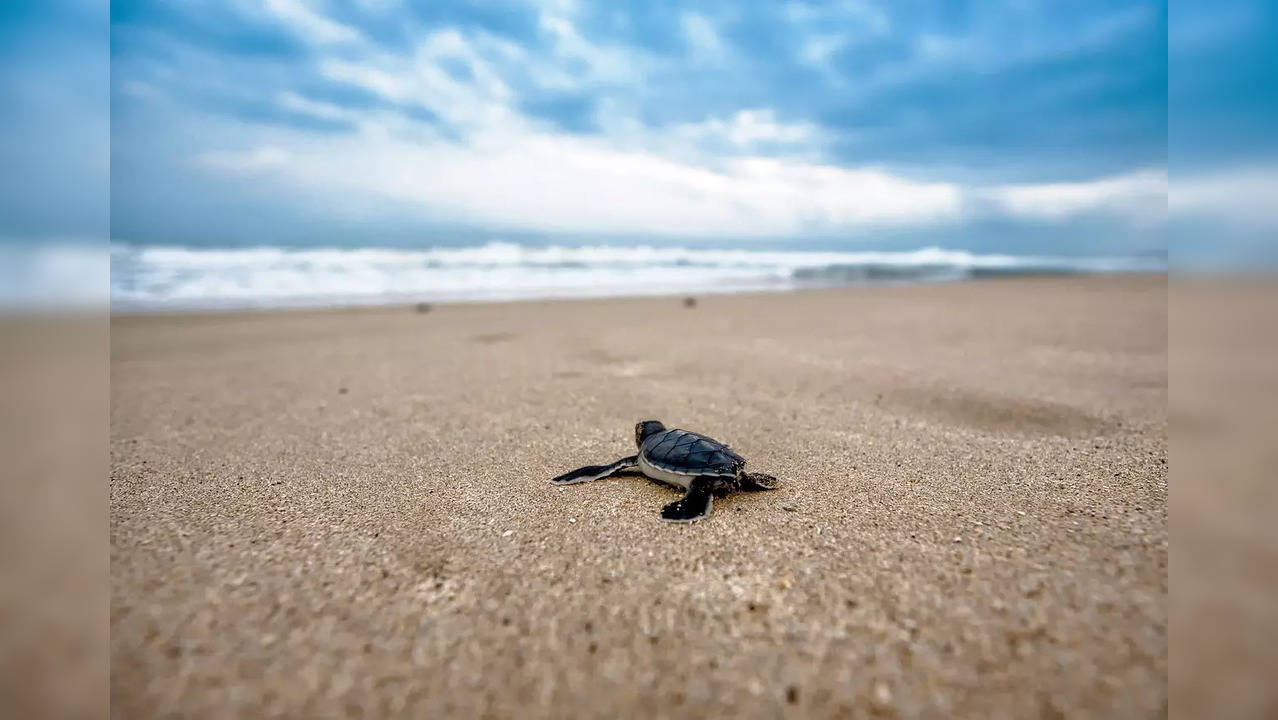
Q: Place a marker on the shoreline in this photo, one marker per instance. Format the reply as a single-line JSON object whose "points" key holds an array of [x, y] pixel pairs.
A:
{"points": [[705, 292]]}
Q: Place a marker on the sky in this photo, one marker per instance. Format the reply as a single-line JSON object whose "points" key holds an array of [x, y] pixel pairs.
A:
{"points": [[1013, 126], [54, 120]]}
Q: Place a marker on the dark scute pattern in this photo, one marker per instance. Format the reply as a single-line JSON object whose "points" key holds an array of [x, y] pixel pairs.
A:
{"points": [[690, 452]]}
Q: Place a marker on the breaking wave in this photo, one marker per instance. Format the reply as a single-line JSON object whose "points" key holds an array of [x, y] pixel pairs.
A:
{"points": [[150, 277]]}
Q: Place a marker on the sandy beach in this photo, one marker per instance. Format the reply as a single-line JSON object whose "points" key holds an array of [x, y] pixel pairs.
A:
{"points": [[346, 512]]}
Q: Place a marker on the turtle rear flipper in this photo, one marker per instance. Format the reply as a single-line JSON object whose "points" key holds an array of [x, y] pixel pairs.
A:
{"points": [[695, 504], [759, 481], [595, 472]]}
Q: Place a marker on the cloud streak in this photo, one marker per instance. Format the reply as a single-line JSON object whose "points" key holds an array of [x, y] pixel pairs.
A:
{"points": [[1139, 196]]}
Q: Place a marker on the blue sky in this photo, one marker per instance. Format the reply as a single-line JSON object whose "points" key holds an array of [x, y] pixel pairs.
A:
{"points": [[1017, 126], [54, 120]]}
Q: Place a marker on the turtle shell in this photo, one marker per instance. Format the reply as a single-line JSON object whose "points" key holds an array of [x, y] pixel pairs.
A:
{"points": [[690, 453]]}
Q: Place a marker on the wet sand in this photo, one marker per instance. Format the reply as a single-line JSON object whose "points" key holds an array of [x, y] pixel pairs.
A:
{"points": [[346, 512]]}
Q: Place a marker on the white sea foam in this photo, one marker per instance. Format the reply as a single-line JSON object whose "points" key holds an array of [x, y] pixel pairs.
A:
{"points": [[170, 277]]}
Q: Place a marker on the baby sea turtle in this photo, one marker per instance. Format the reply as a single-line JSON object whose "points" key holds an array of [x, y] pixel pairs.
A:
{"points": [[701, 466]]}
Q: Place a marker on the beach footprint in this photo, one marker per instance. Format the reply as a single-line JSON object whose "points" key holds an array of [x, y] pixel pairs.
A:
{"points": [[994, 412]]}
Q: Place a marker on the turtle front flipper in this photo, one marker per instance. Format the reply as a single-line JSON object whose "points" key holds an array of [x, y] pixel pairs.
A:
{"points": [[595, 472], [759, 481], [696, 503]]}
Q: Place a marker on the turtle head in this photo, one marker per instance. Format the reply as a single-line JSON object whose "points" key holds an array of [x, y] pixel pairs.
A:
{"points": [[646, 429]]}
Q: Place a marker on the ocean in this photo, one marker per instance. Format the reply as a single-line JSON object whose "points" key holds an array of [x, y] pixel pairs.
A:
{"points": [[148, 278]]}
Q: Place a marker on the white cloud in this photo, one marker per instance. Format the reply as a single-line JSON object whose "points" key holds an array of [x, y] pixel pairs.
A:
{"points": [[817, 49], [856, 23], [507, 171], [703, 38], [561, 183], [473, 105], [747, 130], [310, 24], [494, 167], [239, 162], [603, 63], [387, 85], [321, 110], [1139, 196]]}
